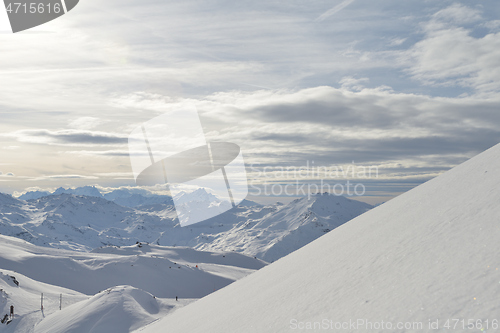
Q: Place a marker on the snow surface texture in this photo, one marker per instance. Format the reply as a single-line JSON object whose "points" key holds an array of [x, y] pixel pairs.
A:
{"points": [[155, 269], [118, 309], [25, 296], [149, 277], [429, 254], [68, 221]]}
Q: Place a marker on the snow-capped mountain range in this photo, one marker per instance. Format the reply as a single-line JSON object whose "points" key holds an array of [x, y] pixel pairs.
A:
{"points": [[428, 259], [119, 259], [123, 197], [84, 219]]}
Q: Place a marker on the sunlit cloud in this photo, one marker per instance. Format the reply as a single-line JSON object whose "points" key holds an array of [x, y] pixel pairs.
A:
{"points": [[412, 88], [68, 137]]}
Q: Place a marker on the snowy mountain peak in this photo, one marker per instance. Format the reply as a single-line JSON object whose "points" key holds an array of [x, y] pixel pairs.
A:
{"points": [[326, 204], [7, 199], [33, 195], [200, 195], [90, 191], [124, 197], [326, 201], [85, 222]]}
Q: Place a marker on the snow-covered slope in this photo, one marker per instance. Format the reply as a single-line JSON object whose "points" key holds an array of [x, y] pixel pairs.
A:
{"points": [[137, 197], [77, 222], [149, 276], [117, 309], [25, 295], [286, 228], [196, 206], [429, 254], [162, 271], [83, 223]]}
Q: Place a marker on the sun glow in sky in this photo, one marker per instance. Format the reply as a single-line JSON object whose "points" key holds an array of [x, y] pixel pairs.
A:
{"points": [[410, 87]]}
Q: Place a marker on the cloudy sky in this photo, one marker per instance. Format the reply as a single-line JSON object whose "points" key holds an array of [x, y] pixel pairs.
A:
{"points": [[411, 87]]}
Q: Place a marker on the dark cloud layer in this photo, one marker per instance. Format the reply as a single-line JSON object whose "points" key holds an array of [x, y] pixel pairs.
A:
{"points": [[69, 137]]}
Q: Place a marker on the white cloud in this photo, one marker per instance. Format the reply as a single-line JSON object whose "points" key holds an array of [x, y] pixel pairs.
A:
{"points": [[450, 55], [494, 25], [397, 41], [8, 174], [63, 177], [334, 10], [68, 137], [458, 14], [119, 64], [116, 175], [352, 83], [100, 153], [85, 123], [331, 125], [142, 100]]}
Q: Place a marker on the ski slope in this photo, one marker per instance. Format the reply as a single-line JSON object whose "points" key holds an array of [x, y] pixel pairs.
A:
{"points": [[25, 295], [121, 287], [429, 254], [161, 271], [117, 309]]}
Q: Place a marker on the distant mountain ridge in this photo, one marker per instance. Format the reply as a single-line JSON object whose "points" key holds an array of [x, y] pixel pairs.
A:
{"points": [[70, 220], [123, 197]]}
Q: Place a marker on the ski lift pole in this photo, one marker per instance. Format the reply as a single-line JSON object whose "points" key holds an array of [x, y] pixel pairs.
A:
{"points": [[60, 302], [41, 302]]}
